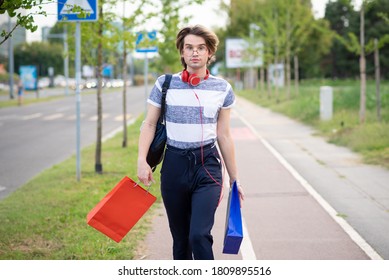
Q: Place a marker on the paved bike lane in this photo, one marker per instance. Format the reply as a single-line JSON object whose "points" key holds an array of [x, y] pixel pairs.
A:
{"points": [[284, 217]]}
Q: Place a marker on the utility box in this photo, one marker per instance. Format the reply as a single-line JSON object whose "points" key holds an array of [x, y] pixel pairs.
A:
{"points": [[326, 101]]}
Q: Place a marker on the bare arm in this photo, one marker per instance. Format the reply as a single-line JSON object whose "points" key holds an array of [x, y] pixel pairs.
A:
{"points": [[227, 147], [145, 175]]}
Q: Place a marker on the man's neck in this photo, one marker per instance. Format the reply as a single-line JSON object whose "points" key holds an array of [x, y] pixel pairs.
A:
{"points": [[202, 72]]}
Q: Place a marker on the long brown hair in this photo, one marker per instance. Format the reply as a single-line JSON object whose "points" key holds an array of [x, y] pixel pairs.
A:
{"points": [[210, 38]]}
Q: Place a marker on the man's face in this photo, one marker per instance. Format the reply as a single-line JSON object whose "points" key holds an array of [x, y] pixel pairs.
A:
{"points": [[195, 52]]}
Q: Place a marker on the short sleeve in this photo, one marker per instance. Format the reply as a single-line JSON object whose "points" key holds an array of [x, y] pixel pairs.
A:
{"points": [[155, 96], [229, 100]]}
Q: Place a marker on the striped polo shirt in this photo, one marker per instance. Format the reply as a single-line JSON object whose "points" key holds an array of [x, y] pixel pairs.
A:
{"points": [[192, 112]]}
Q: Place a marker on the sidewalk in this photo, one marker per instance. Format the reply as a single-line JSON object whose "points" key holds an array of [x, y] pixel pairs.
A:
{"points": [[305, 198]]}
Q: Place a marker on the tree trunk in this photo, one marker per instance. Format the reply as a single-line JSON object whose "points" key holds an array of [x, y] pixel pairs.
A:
{"points": [[98, 164], [362, 65], [288, 75], [269, 89], [287, 63], [296, 75], [276, 76], [377, 78], [124, 96], [262, 74]]}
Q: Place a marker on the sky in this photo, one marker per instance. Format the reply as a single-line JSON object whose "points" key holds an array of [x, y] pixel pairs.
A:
{"points": [[208, 14]]}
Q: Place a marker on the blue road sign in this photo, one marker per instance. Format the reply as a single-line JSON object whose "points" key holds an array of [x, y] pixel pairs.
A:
{"points": [[66, 10], [29, 76], [146, 42]]}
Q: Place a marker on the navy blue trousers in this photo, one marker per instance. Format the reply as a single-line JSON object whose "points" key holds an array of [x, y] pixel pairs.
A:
{"points": [[191, 196]]}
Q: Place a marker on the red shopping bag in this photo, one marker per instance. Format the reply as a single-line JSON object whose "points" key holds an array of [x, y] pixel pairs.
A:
{"points": [[120, 209]]}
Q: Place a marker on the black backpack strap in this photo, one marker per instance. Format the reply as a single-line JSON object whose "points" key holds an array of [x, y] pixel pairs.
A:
{"points": [[165, 87]]}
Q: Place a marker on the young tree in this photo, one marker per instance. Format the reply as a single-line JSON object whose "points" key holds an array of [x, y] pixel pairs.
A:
{"points": [[124, 38], [343, 20], [362, 65], [359, 47], [98, 35]]}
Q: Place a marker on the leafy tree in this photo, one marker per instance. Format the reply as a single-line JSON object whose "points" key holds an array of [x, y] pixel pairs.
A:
{"points": [[377, 27], [96, 43], [172, 21], [109, 38], [341, 63], [359, 47], [124, 37], [41, 54], [286, 30]]}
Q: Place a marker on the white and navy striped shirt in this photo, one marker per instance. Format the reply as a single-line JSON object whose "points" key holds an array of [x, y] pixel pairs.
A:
{"points": [[186, 128]]}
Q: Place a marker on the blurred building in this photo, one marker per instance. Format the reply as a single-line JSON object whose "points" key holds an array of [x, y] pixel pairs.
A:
{"points": [[18, 35]]}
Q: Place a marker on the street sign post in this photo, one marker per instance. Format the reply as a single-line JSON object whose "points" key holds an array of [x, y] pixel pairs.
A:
{"points": [[78, 10], [146, 42]]}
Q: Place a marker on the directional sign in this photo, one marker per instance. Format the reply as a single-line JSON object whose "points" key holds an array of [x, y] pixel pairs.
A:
{"points": [[146, 42], [69, 10]]}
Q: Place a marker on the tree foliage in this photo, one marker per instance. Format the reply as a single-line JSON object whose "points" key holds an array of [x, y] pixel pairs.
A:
{"points": [[16, 9], [287, 28], [345, 22], [41, 54], [171, 22]]}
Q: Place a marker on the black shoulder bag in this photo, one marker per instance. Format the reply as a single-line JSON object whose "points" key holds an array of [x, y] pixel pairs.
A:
{"points": [[157, 147]]}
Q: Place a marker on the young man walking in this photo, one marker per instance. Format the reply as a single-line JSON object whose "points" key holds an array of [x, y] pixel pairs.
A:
{"points": [[198, 109]]}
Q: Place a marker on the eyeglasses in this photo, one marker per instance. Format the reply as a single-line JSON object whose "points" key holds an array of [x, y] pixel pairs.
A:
{"points": [[189, 50]]}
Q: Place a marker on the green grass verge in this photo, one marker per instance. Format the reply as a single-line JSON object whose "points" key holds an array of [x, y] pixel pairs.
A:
{"points": [[46, 218], [370, 139]]}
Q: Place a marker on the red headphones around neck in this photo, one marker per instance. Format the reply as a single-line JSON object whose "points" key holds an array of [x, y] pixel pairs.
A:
{"points": [[192, 79]]}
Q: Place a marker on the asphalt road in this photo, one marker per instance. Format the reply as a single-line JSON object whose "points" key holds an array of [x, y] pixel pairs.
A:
{"points": [[35, 137]]}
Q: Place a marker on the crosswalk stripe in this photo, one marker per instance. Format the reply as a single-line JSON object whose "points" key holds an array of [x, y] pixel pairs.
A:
{"points": [[94, 118], [73, 117], [53, 117], [119, 118], [32, 116]]}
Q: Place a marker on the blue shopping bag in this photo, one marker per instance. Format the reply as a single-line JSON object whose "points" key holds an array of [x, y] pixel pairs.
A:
{"points": [[234, 231]]}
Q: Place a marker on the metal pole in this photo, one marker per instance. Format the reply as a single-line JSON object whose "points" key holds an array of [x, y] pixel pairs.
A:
{"points": [[66, 60], [78, 96], [146, 80], [10, 61], [251, 78]]}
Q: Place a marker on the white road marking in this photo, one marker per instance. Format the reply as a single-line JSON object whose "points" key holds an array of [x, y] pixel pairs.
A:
{"points": [[32, 116], [119, 118], [74, 116], [64, 108], [326, 206], [53, 117], [2, 188], [246, 248], [94, 118]]}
